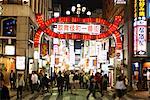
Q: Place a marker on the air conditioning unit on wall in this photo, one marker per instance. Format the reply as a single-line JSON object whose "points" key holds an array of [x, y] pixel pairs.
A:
{"points": [[26, 2]]}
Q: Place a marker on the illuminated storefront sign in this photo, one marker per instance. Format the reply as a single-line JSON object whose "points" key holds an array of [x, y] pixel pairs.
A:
{"points": [[44, 49], [102, 57], [20, 62], [120, 1], [9, 50], [77, 28], [142, 8], [148, 8], [139, 8], [140, 28], [140, 38]]}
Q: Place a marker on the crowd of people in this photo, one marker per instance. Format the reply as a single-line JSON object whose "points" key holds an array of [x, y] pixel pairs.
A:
{"points": [[72, 80], [65, 81]]}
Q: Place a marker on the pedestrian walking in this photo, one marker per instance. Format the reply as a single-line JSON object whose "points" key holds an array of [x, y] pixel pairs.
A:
{"points": [[92, 89], [60, 83], [19, 85], [66, 80], [81, 80], [85, 81], [99, 83], [105, 82], [45, 82], [76, 80], [34, 79], [71, 82], [120, 88], [4, 92], [12, 78]]}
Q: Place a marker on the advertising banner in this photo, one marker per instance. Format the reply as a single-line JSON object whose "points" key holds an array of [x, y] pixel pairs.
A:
{"points": [[78, 28], [44, 49], [20, 62], [140, 38], [140, 28]]}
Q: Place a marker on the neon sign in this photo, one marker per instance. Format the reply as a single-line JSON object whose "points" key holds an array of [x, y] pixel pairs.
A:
{"points": [[142, 8], [112, 29], [140, 28]]}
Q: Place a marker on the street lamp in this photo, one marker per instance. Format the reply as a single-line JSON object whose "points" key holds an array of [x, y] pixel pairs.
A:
{"points": [[78, 9]]}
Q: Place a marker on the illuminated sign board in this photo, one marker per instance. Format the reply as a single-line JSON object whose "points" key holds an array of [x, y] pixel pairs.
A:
{"points": [[9, 50], [78, 28], [142, 8], [139, 8], [140, 38], [135, 8], [120, 1], [20, 62], [148, 8], [140, 28], [44, 49]]}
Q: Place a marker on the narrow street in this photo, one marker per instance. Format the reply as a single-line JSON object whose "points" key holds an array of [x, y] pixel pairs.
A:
{"points": [[80, 94]]}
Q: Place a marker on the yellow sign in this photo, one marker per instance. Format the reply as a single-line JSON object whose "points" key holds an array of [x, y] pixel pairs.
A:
{"points": [[142, 8], [135, 8]]}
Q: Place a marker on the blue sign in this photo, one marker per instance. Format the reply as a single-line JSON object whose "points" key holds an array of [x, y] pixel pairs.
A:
{"points": [[148, 8]]}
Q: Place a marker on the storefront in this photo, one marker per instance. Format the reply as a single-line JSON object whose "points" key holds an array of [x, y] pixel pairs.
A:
{"points": [[146, 74]]}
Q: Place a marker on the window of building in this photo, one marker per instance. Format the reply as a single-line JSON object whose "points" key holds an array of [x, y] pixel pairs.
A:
{"points": [[4, 43], [9, 27]]}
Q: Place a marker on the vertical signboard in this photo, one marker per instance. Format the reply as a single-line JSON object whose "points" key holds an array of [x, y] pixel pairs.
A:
{"points": [[148, 8], [140, 28], [20, 62], [44, 49]]}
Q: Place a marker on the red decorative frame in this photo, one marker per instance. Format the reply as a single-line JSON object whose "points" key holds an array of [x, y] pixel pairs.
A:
{"points": [[112, 29]]}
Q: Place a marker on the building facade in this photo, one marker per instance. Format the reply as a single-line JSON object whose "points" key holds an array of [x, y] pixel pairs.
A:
{"points": [[18, 27], [114, 8]]}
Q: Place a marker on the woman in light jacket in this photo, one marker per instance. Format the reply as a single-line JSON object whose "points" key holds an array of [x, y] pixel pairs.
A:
{"points": [[120, 87], [20, 84]]}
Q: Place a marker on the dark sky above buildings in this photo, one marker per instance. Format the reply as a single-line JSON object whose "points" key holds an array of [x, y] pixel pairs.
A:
{"points": [[90, 4]]}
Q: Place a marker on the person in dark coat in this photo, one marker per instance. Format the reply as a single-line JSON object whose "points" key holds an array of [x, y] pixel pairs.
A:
{"points": [[66, 80], [92, 89], [12, 78], [60, 83], [45, 82], [4, 92]]}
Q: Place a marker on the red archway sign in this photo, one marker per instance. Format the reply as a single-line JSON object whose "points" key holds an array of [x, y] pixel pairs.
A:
{"points": [[112, 29]]}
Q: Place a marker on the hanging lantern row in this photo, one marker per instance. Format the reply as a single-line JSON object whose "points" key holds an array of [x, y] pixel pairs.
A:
{"points": [[43, 27]]}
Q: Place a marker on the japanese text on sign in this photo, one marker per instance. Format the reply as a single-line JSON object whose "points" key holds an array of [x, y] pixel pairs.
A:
{"points": [[142, 8], [140, 38], [78, 28]]}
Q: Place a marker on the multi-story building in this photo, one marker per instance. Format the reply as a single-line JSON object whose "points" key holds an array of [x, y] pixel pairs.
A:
{"points": [[18, 27], [111, 9]]}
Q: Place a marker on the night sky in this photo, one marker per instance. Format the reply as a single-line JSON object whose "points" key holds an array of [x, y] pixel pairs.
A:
{"points": [[90, 4]]}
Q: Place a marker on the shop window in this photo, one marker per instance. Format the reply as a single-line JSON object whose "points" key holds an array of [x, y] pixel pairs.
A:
{"points": [[9, 27]]}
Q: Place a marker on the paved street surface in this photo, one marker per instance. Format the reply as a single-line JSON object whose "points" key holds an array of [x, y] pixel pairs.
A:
{"points": [[80, 94]]}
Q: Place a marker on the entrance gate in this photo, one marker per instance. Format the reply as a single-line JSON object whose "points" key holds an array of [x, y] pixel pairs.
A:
{"points": [[112, 29]]}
